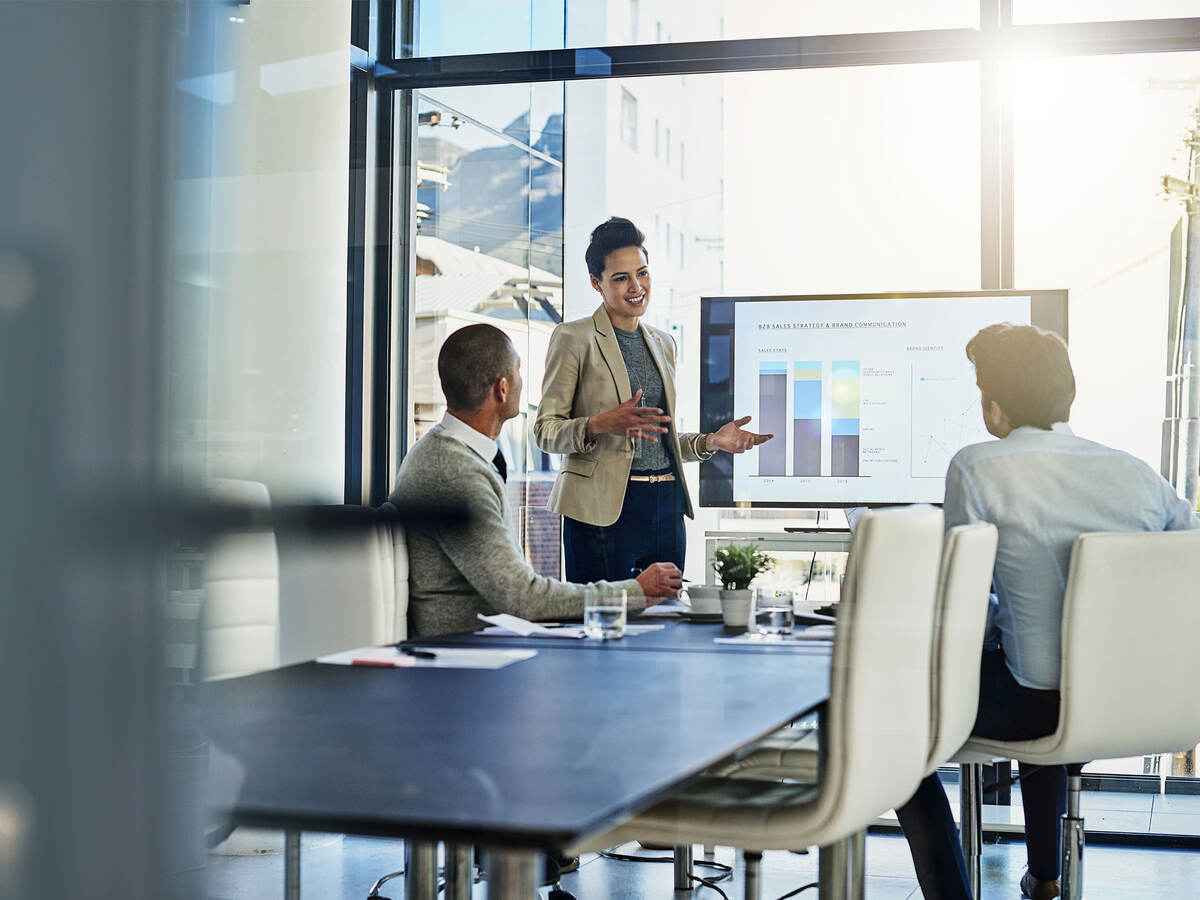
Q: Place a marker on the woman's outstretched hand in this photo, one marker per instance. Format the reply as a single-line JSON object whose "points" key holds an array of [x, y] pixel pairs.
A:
{"points": [[732, 438], [629, 419]]}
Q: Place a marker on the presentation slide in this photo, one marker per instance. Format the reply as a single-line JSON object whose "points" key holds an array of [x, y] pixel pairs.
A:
{"points": [[868, 399]]}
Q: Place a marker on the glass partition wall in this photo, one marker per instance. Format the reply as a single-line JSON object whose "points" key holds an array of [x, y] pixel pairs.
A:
{"points": [[793, 149]]}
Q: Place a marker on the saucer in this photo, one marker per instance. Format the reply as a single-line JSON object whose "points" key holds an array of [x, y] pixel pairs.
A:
{"points": [[700, 618]]}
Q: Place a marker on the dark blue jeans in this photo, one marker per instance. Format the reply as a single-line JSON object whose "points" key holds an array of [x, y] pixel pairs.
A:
{"points": [[649, 530], [1007, 712]]}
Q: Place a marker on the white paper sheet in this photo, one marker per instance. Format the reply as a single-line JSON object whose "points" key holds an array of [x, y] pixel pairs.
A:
{"points": [[444, 658], [798, 638], [504, 624]]}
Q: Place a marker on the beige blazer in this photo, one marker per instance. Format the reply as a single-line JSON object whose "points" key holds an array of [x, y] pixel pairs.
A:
{"points": [[585, 375]]}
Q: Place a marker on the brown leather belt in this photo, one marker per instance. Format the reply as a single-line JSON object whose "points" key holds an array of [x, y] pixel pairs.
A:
{"points": [[653, 479]]}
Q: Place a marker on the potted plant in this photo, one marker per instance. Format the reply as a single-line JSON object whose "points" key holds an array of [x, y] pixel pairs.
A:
{"points": [[736, 566]]}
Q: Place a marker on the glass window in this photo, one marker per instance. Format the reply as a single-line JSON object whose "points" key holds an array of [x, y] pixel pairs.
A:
{"points": [[591, 24], [682, 174], [667, 147], [1093, 139], [836, 180], [489, 249], [1048, 11], [489, 26], [629, 118]]}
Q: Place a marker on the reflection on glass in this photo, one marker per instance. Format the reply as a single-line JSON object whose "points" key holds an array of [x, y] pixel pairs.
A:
{"points": [[489, 249]]}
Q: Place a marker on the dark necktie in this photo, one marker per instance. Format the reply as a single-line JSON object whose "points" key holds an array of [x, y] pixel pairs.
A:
{"points": [[501, 466]]}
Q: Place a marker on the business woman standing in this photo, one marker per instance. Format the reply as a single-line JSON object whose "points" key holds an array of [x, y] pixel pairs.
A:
{"points": [[608, 401]]}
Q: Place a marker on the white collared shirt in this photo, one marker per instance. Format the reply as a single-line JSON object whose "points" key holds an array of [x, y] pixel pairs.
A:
{"points": [[1042, 489], [482, 445]]}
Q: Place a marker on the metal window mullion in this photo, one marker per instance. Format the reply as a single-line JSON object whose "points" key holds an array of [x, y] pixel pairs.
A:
{"points": [[402, 249], [798, 52], [996, 174]]}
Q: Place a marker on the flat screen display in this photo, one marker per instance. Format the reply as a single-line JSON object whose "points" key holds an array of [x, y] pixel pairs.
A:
{"points": [[868, 395]]}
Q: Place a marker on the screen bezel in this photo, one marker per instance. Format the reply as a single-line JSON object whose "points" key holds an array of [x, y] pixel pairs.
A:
{"points": [[1047, 309]]}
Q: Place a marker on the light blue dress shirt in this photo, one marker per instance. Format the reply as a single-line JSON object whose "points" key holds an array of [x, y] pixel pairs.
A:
{"points": [[1042, 489]]}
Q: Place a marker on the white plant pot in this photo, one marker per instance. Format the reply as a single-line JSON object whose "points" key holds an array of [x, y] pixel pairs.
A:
{"points": [[735, 608]]}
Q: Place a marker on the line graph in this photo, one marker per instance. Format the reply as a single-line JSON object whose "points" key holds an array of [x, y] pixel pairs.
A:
{"points": [[945, 418]]}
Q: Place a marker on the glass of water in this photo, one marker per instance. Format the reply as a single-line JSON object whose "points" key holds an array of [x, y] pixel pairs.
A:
{"points": [[604, 612], [771, 611]]}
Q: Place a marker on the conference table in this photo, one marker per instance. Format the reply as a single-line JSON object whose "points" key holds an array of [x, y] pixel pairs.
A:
{"points": [[539, 756]]}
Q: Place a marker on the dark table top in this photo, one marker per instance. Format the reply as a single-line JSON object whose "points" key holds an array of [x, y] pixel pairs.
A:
{"points": [[541, 753]]}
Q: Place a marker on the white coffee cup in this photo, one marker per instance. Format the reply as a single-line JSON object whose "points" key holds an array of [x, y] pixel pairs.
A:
{"points": [[705, 599]]}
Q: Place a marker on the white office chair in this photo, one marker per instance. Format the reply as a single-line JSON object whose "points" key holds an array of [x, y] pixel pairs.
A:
{"points": [[960, 616], [344, 590], [1130, 621], [239, 631], [875, 727]]}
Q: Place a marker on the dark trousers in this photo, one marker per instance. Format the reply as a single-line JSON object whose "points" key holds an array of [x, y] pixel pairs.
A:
{"points": [[649, 530], [1007, 712]]}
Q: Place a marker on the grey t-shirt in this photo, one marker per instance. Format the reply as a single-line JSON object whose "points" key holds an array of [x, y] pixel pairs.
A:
{"points": [[651, 456]]}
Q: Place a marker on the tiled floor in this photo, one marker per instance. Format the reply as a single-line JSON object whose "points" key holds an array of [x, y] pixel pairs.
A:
{"points": [[346, 867]]}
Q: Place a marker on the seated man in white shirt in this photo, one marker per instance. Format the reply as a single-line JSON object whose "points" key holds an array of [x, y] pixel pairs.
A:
{"points": [[455, 572], [1042, 487]]}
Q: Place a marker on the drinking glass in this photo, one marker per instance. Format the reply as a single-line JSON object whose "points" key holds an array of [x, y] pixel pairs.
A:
{"points": [[604, 612], [772, 611]]}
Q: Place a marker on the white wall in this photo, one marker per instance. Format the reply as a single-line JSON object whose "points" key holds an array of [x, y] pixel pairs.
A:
{"points": [[266, 237]]}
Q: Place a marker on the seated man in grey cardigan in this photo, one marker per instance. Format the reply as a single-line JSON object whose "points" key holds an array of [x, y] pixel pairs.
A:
{"points": [[457, 572]]}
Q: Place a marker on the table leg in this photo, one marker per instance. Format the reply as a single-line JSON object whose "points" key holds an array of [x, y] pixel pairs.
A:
{"points": [[833, 864], [512, 874], [683, 867], [291, 865], [858, 865], [752, 889], [460, 861], [420, 870], [970, 818]]}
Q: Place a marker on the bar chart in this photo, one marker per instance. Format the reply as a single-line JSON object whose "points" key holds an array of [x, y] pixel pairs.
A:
{"points": [[845, 432], [772, 415], [806, 418]]}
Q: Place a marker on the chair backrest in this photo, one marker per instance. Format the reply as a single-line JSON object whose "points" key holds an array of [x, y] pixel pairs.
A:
{"points": [[1131, 625], [960, 617], [240, 613], [341, 591], [876, 730]]}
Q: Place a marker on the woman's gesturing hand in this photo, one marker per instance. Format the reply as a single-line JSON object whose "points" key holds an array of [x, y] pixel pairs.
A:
{"points": [[629, 419], [733, 439]]}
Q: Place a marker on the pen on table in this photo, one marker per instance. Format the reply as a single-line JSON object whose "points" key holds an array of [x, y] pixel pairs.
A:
{"points": [[419, 654]]}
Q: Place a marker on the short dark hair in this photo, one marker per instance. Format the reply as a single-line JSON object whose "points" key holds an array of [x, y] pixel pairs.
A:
{"points": [[472, 360], [609, 236], [1025, 370]]}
